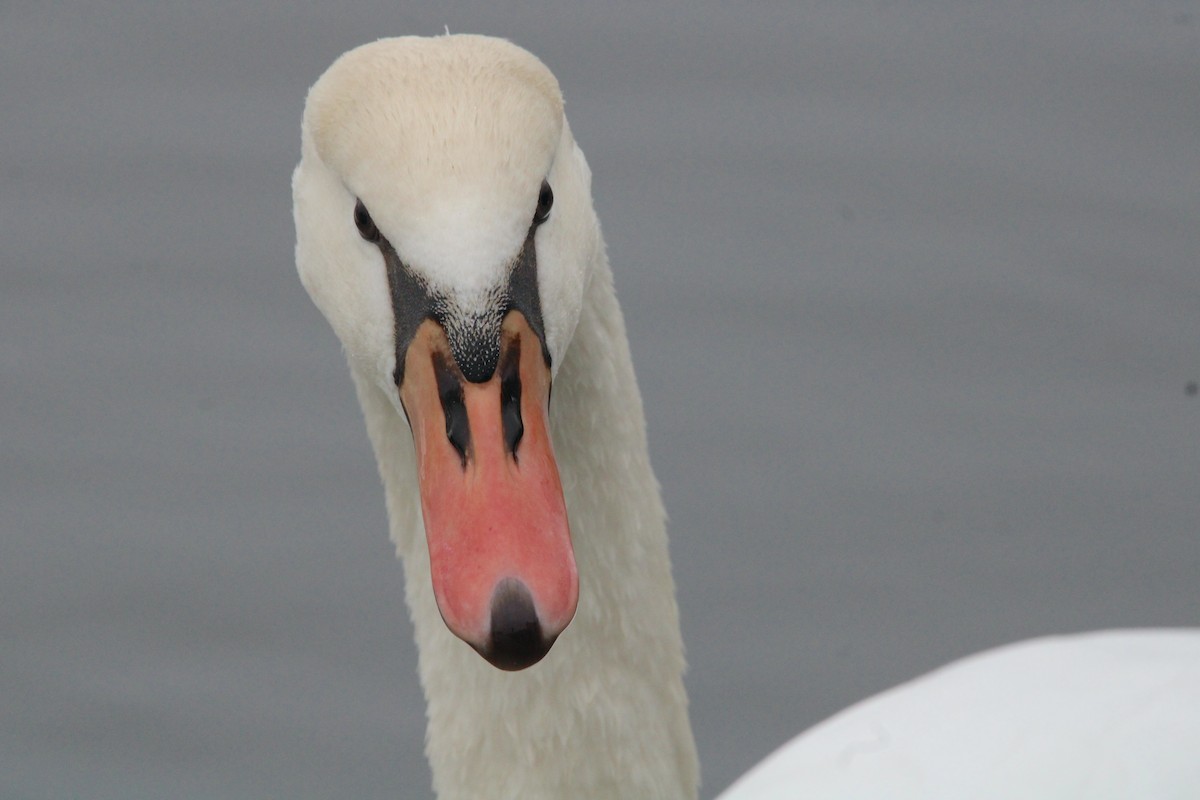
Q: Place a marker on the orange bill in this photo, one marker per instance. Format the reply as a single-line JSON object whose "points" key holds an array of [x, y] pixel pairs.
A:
{"points": [[495, 520]]}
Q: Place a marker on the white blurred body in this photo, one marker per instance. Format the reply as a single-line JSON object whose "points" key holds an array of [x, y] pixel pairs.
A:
{"points": [[1111, 715]]}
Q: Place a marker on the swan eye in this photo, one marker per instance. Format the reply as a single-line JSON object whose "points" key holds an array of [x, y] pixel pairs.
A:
{"points": [[366, 225], [545, 200]]}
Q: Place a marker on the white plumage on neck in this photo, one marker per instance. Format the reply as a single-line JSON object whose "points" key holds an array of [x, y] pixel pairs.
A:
{"points": [[605, 713]]}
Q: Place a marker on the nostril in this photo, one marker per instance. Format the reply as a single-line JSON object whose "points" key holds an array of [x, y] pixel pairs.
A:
{"points": [[510, 396], [458, 430], [510, 412], [516, 640]]}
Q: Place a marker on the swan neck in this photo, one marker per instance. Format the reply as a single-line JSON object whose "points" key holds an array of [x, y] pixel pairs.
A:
{"points": [[604, 714]]}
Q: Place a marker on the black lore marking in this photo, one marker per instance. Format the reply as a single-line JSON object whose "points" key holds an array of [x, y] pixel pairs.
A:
{"points": [[411, 305], [510, 397], [474, 336], [458, 429], [523, 291]]}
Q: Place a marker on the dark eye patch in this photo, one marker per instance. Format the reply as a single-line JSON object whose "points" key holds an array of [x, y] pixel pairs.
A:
{"points": [[364, 223], [545, 201]]}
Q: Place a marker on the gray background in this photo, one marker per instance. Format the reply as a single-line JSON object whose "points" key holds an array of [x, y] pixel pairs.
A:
{"points": [[914, 294]]}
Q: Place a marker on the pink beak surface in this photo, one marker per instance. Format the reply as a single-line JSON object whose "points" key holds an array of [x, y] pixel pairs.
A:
{"points": [[503, 568]]}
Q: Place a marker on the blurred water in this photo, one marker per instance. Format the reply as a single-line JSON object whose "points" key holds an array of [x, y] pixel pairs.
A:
{"points": [[914, 295]]}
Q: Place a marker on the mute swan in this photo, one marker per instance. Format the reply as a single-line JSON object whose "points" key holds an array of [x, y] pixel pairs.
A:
{"points": [[445, 229]]}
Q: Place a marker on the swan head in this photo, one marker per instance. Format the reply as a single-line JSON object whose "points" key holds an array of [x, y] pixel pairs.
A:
{"points": [[445, 229]]}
